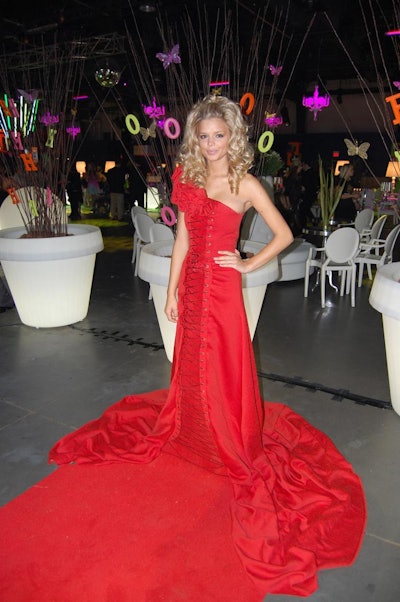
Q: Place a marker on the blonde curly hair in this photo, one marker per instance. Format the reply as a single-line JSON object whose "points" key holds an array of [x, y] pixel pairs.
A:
{"points": [[240, 152]]}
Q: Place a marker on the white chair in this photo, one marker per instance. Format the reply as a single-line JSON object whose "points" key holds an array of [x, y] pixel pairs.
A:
{"points": [[142, 224], [340, 251], [369, 255], [138, 209], [374, 233], [314, 260], [362, 222], [254, 228], [160, 231], [292, 261], [134, 211]]}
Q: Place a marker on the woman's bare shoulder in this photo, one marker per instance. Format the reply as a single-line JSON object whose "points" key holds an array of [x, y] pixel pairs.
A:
{"points": [[252, 189]]}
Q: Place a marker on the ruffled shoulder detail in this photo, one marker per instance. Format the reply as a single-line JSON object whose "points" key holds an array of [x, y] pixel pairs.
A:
{"points": [[177, 186], [187, 196]]}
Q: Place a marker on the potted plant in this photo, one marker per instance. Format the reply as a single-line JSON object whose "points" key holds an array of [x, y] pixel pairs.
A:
{"points": [[270, 164], [45, 257], [329, 195]]}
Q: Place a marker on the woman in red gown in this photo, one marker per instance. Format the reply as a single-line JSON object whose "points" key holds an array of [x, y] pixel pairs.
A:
{"points": [[297, 506]]}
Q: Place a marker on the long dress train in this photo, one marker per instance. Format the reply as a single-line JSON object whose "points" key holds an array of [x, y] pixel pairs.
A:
{"points": [[297, 506]]}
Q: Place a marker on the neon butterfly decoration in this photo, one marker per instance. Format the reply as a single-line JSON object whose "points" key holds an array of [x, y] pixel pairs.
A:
{"points": [[356, 149], [149, 132], [29, 96], [273, 120], [275, 70], [397, 84], [169, 57]]}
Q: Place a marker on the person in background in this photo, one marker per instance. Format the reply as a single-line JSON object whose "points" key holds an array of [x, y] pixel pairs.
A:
{"points": [[101, 177], [292, 191], [137, 184], [75, 194], [116, 185], [350, 201], [309, 192]]}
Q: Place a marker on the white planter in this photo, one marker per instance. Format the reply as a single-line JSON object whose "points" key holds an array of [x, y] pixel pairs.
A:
{"points": [[385, 298], [50, 278], [154, 267]]}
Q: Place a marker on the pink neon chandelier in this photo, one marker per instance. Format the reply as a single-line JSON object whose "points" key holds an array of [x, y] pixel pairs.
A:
{"points": [[316, 103]]}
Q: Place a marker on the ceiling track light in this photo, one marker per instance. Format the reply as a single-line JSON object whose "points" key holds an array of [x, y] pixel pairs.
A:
{"points": [[147, 7]]}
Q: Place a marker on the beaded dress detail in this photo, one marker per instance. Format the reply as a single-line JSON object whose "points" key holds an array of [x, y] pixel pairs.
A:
{"points": [[297, 506]]}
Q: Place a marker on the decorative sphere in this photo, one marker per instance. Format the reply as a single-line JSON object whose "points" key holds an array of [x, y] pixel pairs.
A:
{"points": [[107, 76]]}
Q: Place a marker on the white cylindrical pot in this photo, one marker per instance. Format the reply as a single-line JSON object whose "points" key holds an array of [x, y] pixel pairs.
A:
{"points": [[385, 298], [154, 264], [50, 278]]}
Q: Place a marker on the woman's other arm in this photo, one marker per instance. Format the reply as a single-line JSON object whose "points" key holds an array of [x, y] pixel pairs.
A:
{"points": [[179, 251]]}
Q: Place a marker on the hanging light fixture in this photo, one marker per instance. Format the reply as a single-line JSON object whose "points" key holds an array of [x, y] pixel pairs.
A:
{"points": [[148, 7], [316, 103], [108, 74]]}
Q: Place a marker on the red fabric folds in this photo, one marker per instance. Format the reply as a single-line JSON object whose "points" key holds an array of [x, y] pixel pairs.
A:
{"points": [[297, 506], [305, 510]]}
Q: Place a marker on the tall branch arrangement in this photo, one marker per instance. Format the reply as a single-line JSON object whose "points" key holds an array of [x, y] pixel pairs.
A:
{"points": [[213, 58], [37, 130]]}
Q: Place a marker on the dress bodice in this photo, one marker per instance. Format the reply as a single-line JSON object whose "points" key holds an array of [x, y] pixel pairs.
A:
{"points": [[212, 225]]}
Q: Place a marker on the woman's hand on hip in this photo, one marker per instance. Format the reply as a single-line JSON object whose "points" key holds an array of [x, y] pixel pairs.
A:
{"points": [[227, 259]]}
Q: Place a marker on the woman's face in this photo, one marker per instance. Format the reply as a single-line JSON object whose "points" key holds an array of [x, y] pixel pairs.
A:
{"points": [[213, 135]]}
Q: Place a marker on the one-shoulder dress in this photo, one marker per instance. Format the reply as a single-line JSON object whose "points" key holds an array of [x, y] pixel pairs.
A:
{"points": [[297, 506]]}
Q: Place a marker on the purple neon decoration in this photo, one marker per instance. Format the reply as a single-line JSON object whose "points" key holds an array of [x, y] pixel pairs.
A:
{"points": [[153, 110], [48, 119], [273, 120], [74, 131], [225, 83], [316, 103]]}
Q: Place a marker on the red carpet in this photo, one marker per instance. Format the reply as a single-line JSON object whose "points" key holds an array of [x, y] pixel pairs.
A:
{"points": [[111, 533]]}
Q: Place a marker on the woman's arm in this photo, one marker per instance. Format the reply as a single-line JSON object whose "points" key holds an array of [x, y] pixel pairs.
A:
{"points": [[179, 251], [252, 190]]}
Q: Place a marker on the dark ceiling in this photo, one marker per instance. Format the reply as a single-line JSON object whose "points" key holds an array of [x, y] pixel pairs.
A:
{"points": [[315, 39]]}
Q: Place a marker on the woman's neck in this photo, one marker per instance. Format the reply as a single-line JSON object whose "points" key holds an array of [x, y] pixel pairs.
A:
{"points": [[218, 169]]}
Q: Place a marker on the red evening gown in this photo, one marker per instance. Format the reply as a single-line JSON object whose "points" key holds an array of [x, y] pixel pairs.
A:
{"points": [[297, 506]]}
